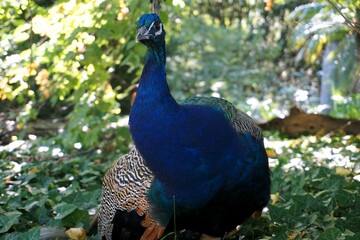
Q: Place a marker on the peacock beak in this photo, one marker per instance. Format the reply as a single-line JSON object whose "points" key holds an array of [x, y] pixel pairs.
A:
{"points": [[143, 34]]}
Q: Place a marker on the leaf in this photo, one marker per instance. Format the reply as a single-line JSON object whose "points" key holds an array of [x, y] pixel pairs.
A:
{"points": [[77, 218], [330, 234], [353, 220], [76, 233], [343, 171], [7, 220], [32, 234], [344, 198], [84, 199], [275, 198], [277, 214], [294, 234], [11, 236], [271, 153], [356, 236], [64, 209], [42, 215]]}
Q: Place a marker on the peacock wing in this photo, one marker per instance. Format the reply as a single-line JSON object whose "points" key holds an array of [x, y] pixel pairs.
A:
{"points": [[124, 204], [239, 119]]}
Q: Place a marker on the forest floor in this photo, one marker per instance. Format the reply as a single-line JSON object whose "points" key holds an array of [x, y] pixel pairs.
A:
{"points": [[315, 188]]}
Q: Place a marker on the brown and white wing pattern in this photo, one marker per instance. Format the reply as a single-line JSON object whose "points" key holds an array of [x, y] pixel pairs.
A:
{"points": [[125, 187]]}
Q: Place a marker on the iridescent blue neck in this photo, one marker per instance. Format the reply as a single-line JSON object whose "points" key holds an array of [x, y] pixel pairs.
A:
{"points": [[153, 96], [153, 83], [157, 52]]}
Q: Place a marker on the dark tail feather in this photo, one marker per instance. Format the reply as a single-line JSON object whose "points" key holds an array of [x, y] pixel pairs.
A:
{"points": [[127, 226]]}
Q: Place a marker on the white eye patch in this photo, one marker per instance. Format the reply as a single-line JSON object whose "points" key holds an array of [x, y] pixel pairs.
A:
{"points": [[156, 33], [160, 30]]}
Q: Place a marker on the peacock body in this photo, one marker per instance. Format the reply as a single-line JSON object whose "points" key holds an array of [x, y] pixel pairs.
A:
{"points": [[201, 158]]}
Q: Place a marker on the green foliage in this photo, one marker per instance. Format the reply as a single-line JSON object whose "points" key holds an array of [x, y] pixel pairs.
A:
{"points": [[205, 68], [315, 194], [33, 233], [315, 25], [77, 62], [346, 107], [315, 190], [67, 55], [319, 23], [8, 219], [58, 193], [225, 56]]}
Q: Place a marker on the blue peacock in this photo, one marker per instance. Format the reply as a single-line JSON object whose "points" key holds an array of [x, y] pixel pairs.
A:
{"points": [[200, 160]]}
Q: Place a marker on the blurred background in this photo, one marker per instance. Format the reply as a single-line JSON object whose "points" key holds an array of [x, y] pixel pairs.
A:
{"points": [[69, 71], [77, 61]]}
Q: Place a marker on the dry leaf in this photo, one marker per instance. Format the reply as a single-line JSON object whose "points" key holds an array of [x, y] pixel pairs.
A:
{"points": [[343, 171], [275, 198], [271, 153], [76, 233]]}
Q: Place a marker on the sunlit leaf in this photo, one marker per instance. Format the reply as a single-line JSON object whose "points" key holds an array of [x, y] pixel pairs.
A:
{"points": [[76, 233], [330, 234], [7, 220], [64, 209], [343, 171]]}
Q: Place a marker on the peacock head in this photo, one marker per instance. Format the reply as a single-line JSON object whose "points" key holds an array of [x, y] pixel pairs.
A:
{"points": [[150, 30]]}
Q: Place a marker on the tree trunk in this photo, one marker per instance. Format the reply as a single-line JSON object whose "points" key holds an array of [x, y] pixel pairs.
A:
{"points": [[357, 54], [328, 78]]}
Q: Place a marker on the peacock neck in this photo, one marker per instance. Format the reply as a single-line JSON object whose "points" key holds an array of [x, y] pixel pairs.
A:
{"points": [[153, 92], [158, 53]]}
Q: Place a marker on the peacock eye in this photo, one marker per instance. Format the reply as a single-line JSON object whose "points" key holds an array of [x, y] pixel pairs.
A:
{"points": [[157, 26]]}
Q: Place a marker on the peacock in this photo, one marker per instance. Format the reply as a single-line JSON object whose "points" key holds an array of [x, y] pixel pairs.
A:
{"points": [[197, 164]]}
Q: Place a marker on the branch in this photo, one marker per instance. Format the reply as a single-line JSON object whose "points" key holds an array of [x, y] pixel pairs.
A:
{"points": [[155, 6], [350, 23], [298, 123], [72, 155], [52, 158]]}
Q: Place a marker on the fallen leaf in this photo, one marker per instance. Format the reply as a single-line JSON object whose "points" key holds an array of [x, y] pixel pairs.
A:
{"points": [[343, 171], [76, 233], [274, 198], [271, 153]]}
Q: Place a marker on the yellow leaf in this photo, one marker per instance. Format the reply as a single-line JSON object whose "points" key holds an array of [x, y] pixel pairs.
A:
{"points": [[343, 171], [269, 5], [76, 233], [294, 233], [34, 170], [320, 133], [43, 74], [275, 198], [271, 153], [33, 66], [7, 180]]}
